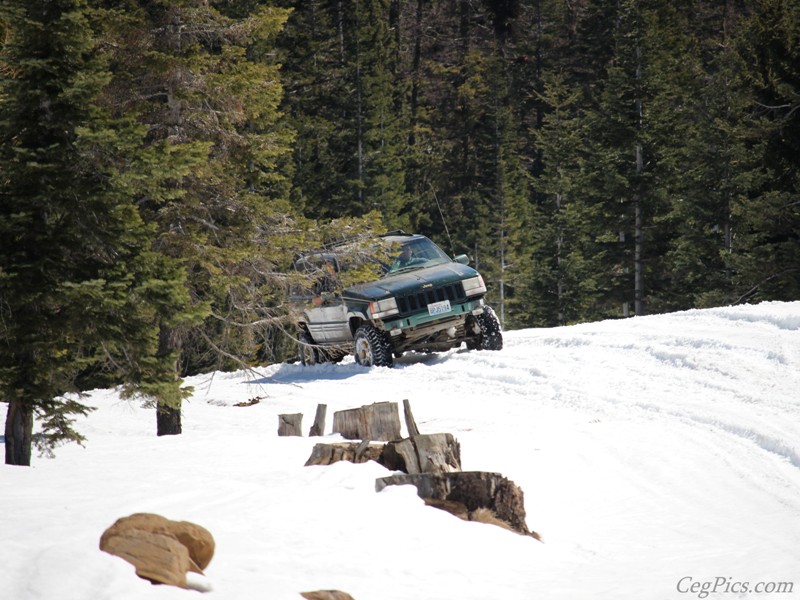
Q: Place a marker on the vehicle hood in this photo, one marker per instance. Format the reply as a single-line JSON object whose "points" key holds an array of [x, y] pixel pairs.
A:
{"points": [[411, 281]]}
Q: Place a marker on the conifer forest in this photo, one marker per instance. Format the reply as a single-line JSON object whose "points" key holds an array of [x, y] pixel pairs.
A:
{"points": [[163, 162]]}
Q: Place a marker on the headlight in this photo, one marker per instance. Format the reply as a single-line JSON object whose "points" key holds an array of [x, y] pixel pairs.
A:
{"points": [[383, 308], [474, 286]]}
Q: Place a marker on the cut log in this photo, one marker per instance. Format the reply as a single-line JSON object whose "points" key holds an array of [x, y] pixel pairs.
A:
{"points": [[432, 453], [290, 425], [318, 428], [327, 454], [474, 490], [377, 422], [411, 424]]}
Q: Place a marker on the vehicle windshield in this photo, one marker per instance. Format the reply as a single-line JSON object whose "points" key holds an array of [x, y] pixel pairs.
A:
{"points": [[416, 253]]}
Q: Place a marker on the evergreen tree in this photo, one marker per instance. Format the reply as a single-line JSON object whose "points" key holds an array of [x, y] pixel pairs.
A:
{"points": [[343, 97], [77, 276], [567, 260], [200, 77], [766, 244], [698, 100], [622, 162]]}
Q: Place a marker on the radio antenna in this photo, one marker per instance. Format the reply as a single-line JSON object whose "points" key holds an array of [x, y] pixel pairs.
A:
{"points": [[441, 214]]}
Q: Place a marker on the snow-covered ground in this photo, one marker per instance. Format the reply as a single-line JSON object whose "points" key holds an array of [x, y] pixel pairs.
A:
{"points": [[659, 457]]}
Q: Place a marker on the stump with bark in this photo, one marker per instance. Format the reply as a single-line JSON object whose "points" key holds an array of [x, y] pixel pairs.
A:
{"points": [[474, 490], [434, 453], [431, 453]]}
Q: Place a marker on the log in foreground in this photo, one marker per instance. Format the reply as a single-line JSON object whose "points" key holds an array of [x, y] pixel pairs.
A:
{"points": [[475, 491]]}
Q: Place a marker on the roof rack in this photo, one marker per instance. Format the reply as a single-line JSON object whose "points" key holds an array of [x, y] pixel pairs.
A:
{"points": [[396, 232]]}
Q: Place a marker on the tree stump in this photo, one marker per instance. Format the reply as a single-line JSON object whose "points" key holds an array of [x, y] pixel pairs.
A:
{"points": [[318, 428], [289, 425], [378, 422], [431, 453], [474, 490], [327, 454], [411, 424]]}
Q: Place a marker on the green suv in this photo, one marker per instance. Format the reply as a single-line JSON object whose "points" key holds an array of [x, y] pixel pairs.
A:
{"points": [[424, 301]]}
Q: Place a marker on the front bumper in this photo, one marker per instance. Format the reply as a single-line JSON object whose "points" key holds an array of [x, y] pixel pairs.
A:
{"points": [[422, 330]]}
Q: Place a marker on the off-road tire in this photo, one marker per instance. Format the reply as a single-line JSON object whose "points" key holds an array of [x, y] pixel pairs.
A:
{"points": [[372, 348], [307, 350], [491, 338]]}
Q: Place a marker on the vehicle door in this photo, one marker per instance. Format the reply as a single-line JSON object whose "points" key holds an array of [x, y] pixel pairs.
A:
{"points": [[325, 312]]}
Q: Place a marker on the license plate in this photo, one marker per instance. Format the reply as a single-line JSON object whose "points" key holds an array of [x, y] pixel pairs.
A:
{"points": [[439, 308]]}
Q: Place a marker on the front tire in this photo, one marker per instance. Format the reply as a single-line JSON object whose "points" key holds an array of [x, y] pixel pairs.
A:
{"points": [[490, 338], [372, 348]]}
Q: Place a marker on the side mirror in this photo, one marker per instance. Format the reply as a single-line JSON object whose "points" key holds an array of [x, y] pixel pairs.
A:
{"points": [[462, 259]]}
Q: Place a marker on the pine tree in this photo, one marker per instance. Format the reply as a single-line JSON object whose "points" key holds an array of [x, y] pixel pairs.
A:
{"points": [[567, 260], [623, 159], [340, 66], [77, 276], [200, 77], [766, 244], [699, 100]]}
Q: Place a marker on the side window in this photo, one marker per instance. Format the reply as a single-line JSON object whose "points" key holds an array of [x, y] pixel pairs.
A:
{"points": [[326, 276], [318, 274]]}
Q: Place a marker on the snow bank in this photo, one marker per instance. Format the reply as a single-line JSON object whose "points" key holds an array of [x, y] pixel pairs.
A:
{"points": [[656, 454]]}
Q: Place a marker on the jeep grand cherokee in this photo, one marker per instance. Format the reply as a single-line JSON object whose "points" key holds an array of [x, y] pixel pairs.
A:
{"points": [[424, 301]]}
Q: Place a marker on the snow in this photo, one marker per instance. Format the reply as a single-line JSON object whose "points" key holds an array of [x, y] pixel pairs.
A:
{"points": [[659, 457]]}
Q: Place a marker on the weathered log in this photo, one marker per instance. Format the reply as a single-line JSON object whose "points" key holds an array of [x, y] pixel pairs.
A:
{"points": [[318, 428], [431, 453], [377, 422], [327, 454], [290, 425], [474, 490], [411, 424]]}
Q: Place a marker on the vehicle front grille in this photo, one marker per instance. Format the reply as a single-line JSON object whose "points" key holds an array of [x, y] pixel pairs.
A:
{"points": [[419, 301]]}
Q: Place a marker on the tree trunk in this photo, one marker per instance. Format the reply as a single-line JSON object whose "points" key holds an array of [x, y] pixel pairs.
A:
{"points": [[168, 415], [19, 433], [638, 300], [168, 420], [415, 76]]}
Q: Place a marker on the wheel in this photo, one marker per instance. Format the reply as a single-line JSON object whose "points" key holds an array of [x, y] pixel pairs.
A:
{"points": [[372, 348], [490, 337], [307, 351]]}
